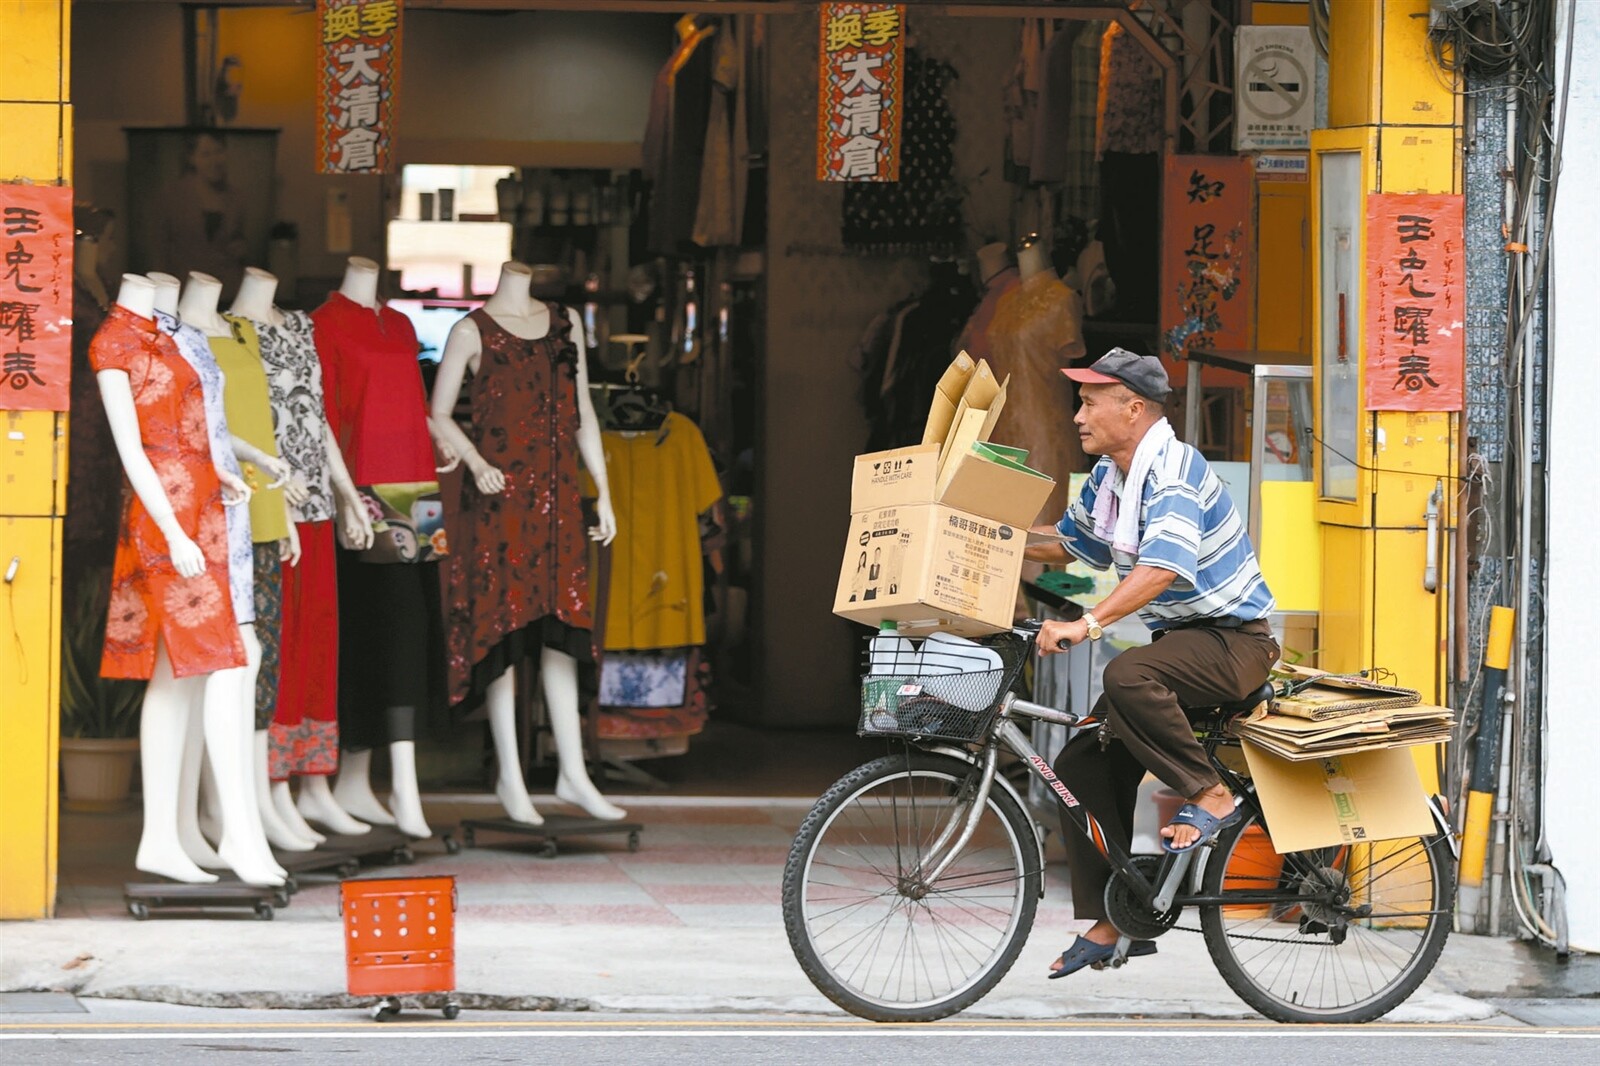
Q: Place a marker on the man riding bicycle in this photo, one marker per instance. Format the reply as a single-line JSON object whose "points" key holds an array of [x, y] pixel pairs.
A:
{"points": [[1155, 510]]}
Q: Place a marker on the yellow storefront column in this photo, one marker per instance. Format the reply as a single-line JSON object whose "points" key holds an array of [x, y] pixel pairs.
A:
{"points": [[1394, 128], [35, 146]]}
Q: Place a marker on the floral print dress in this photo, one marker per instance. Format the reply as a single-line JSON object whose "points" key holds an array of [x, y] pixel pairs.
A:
{"points": [[149, 600], [517, 574], [196, 350]]}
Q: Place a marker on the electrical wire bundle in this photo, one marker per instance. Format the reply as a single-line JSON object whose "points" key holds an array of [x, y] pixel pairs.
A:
{"points": [[1504, 51]]}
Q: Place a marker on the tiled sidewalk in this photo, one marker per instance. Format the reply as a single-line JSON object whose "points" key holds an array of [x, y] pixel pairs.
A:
{"points": [[698, 866]]}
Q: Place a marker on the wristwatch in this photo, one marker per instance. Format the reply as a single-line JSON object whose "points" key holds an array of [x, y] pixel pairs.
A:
{"points": [[1095, 630]]}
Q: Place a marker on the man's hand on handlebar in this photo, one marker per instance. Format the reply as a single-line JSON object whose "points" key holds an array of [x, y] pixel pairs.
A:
{"points": [[1057, 637]]}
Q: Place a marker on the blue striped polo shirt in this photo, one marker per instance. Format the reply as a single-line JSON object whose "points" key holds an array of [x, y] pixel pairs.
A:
{"points": [[1187, 524]]}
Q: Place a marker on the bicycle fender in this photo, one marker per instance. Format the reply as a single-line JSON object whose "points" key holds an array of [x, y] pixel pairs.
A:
{"points": [[1446, 830], [1000, 781]]}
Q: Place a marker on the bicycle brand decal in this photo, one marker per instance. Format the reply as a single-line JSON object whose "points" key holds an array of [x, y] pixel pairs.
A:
{"points": [[1054, 782]]}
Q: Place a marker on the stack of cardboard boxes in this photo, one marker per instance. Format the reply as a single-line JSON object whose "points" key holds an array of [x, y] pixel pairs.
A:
{"points": [[937, 530]]}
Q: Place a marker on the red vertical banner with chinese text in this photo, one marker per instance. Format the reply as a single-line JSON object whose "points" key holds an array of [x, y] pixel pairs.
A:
{"points": [[1205, 253], [1416, 320], [358, 83], [35, 297], [860, 91]]}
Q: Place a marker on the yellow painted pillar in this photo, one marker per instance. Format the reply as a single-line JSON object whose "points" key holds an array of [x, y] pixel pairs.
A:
{"points": [[1394, 127], [36, 146]]}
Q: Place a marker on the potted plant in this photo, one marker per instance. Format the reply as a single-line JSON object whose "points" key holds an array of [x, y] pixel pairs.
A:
{"points": [[99, 716]]}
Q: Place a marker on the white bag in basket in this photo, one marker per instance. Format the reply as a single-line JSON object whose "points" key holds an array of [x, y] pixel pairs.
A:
{"points": [[946, 663]]}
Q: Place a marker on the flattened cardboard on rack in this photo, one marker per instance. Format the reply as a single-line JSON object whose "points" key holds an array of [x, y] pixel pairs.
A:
{"points": [[1342, 799]]}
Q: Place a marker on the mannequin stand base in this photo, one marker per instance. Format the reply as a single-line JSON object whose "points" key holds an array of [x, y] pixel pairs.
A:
{"points": [[550, 834], [319, 860], [385, 844], [142, 897]]}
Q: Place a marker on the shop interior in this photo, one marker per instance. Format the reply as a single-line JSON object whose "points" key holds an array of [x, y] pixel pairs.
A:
{"points": [[655, 170]]}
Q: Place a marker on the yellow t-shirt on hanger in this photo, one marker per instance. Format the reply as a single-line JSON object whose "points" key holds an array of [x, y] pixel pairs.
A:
{"points": [[661, 481]]}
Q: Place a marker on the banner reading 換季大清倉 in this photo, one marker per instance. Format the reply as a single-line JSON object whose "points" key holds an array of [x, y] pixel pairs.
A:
{"points": [[860, 91], [358, 83]]}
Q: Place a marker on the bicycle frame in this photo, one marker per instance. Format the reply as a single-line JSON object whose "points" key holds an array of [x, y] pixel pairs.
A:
{"points": [[1161, 896]]}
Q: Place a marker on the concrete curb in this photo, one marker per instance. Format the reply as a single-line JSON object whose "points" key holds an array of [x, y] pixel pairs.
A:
{"points": [[1425, 1007]]}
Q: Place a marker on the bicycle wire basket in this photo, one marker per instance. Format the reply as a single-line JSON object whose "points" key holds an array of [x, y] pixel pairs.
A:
{"points": [[938, 696]]}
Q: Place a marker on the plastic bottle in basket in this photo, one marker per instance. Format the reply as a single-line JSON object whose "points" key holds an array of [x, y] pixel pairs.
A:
{"points": [[892, 655], [961, 672]]}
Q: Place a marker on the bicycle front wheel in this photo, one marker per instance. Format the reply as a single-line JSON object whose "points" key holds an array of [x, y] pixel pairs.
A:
{"points": [[1359, 927], [867, 930]]}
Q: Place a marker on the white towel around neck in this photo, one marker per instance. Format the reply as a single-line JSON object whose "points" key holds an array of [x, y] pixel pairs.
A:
{"points": [[1121, 526]]}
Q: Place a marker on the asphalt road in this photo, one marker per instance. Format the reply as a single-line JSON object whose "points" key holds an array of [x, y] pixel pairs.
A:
{"points": [[117, 1034]]}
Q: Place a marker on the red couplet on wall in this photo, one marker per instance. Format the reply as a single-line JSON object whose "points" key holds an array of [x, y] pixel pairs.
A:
{"points": [[1206, 253], [860, 91], [1416, 319], [358, 84], [35, 297]]}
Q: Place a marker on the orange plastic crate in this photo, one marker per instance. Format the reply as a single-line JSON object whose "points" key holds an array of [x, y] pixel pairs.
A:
{"points": [[399, 935]]}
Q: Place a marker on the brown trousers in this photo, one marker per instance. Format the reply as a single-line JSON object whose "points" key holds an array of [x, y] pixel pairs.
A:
{"points": [[1146, 691]]}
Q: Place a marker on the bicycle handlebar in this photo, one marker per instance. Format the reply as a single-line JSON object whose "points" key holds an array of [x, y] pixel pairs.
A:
{"points": [[1029, 628]]}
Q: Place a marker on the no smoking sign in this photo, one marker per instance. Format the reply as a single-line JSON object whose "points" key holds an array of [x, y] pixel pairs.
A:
{"points": [[1275, 92]]}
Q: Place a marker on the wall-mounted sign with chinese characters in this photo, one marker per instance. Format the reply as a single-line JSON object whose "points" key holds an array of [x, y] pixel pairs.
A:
{"points": [[358, 79], [861, 77], [1416, 321], [1275, 102], [1205, 253], [35, 297]]}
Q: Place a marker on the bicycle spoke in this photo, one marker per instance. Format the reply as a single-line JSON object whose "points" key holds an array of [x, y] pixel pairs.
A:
{"points": [[880, 935], [1314, 956]]}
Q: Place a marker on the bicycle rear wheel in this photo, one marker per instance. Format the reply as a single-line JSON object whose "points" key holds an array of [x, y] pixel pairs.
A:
{"points": [[1315, 962], [864, 929]]}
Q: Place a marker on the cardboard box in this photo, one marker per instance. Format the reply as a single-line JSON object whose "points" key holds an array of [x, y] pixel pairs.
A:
{"points": [[973, 484], [929, 567], [903, 475], [1342, 799], [947, 397]]}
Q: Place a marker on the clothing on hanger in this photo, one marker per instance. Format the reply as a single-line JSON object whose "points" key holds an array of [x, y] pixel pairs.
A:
{"points": [[661, 482]]}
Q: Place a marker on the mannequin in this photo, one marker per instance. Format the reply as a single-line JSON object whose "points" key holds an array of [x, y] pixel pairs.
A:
{"points": [[161, 564], [388, 610], [303, 435], [992, 259], [199, 802], [513, 310], [195, 308], [1037, 330], [996, 278]]}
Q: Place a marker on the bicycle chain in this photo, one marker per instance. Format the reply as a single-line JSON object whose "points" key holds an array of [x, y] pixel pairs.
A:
{"points": [[1246, 936]]}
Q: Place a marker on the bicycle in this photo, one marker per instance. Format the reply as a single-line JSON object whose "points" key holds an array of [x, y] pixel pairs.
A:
{"points": [[912, 884]]}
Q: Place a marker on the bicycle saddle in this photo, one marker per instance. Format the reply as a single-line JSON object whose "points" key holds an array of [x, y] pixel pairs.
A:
{"points": [[1265, 694]]}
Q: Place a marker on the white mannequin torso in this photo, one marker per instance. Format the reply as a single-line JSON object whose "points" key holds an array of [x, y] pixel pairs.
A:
{"points": [[197, 306], [992, 259], [167, 287], [138, 295], [1034, 260], [513, 306], [360, 284], [255, 298]]}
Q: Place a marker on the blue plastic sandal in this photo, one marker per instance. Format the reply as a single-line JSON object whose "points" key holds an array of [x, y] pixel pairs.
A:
{"points": [[1085, 952], [1208, 824]]}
